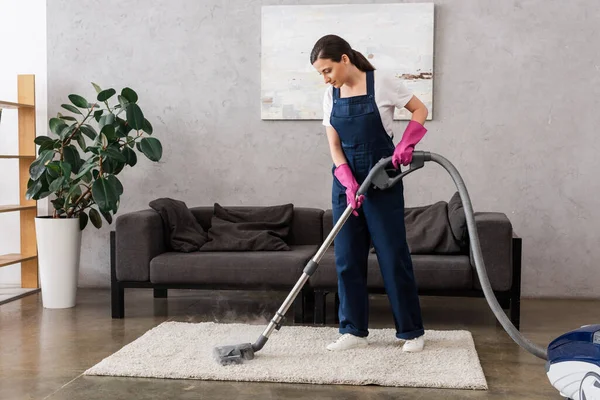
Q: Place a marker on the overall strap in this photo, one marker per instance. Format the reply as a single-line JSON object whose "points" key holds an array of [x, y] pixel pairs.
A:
{"points": [[370, 84]]}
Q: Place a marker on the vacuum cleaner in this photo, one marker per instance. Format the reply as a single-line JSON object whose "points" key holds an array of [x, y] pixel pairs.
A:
{"points": [[572, 360]]}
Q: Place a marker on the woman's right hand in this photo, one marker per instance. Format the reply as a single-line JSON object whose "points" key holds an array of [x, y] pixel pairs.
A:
{"points": [[344, 174]]}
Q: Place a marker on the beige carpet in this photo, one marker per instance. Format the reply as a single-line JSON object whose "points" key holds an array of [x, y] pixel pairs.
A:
{"points": [[297, 354]]}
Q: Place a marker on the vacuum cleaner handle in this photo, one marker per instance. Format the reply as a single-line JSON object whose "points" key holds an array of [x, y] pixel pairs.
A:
{"points": [[379, 177]]}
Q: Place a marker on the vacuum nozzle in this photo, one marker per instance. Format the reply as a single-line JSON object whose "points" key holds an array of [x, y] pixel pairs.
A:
{"points": [[236, 354]]}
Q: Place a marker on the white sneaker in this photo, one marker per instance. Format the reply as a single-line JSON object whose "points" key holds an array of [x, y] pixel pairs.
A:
{"points": [[348, 341], [414, 345]]}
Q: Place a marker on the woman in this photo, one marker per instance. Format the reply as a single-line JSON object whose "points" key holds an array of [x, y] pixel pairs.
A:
{"points": [[358, 112]]}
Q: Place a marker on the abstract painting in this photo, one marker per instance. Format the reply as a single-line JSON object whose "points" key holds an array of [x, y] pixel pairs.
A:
{"points": [[395, 37]]}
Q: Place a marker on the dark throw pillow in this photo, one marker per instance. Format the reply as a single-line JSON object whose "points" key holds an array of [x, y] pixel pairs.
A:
{"points": [[182, 231], [250, 229], [458, 220], [438, 228]]}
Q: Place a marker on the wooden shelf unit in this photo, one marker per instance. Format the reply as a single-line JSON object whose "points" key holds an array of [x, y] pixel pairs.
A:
{"points": [[25, 107]]}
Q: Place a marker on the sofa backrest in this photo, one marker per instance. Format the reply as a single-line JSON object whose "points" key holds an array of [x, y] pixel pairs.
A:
{"points": [[327, 223], [307, 223]]}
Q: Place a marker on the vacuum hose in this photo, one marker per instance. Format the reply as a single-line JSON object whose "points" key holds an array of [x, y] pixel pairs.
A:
{"points": [[419, 157]]}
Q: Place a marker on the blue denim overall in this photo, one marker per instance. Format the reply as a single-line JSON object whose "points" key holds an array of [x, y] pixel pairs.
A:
{"points": [[365, 141]]}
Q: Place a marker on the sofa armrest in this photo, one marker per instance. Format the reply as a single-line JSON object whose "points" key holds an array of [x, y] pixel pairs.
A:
{"points": [[495, 238], [139, 238]]}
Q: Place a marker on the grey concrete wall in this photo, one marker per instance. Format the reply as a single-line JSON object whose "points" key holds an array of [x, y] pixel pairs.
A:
{"points": [[516, 92]]}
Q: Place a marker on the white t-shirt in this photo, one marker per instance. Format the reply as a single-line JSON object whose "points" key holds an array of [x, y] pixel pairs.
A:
{"points": [[390, 92]]}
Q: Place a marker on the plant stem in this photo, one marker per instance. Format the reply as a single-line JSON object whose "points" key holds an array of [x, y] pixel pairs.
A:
{"points": [[87, 193], [79, 125]]}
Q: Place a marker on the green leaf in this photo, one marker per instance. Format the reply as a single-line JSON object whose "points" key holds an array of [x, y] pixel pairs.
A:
{"points": [[135, 117], [58, 203], [98, 114], [71, 155], [95, 218], [123, 102], [87, 178], [123, 129], [152, 148], [79, 101], [85, 168], [56, 125], [66, 169], [147, 127], [129, 94], [115, 154], [47, 145], [88, 131], [119, 165], [101, 140], [42, 139], [130, 156], [33, 190], [44, 191], [116, 183], [92, 149], [107, 119], [109, 132], [53, 169], [81, 141], [56, 184], [83, 220], [107, 216], [67, 131], [106, 94], [71, 108], [74, 193], [105, 194], [66, 118], [98, 89], [37, 168]]}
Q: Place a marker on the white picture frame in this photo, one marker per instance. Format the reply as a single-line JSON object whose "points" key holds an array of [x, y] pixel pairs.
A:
{"points": [[397, 37]]}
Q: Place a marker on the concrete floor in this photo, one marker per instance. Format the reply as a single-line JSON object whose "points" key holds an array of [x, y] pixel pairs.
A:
{"points": [[44, 352]]}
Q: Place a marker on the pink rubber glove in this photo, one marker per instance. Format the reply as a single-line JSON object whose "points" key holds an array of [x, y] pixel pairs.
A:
{"points": [[412, 135], [344, 175]]}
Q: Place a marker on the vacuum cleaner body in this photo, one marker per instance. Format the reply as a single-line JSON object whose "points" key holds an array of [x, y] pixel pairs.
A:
{"points": [[573, 365]]}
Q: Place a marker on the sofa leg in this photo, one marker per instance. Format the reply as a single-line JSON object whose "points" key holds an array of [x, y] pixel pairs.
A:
{"points": [[515, 292], [515, 313], [503, 300], [309, 306], [160, 293], [320, 307], [336, 315], [117, 292], [117, 300]]}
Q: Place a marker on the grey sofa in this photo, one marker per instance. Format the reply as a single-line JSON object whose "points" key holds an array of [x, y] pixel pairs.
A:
{"points": [[140, 259]]}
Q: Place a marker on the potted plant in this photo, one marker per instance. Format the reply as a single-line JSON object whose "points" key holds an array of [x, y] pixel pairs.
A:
{"points": [[78, 164]]}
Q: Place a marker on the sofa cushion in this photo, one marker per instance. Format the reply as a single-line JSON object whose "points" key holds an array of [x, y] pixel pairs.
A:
{"points": [[239, 269], [431, 272], [306, 225], [182, 231], [258, 229], [428, 230]]}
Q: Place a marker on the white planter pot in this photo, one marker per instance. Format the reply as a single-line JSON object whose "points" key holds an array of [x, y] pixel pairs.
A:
{"points": [[59, 248]]}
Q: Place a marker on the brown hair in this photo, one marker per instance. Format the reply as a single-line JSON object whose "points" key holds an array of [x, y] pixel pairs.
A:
{"points": [[332, 47]]}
